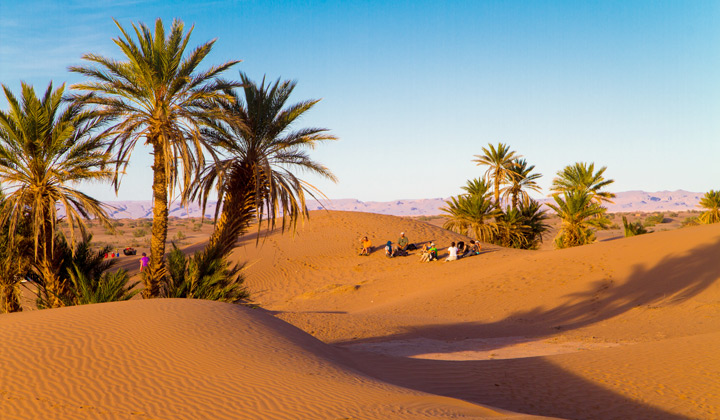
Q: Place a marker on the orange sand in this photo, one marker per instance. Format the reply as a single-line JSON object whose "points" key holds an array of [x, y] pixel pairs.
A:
{"points": [[625, 329]]}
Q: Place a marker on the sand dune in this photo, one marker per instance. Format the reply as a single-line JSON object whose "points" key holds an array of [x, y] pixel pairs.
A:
{"points": [[625, 329], [642, 296], [183, 359]]}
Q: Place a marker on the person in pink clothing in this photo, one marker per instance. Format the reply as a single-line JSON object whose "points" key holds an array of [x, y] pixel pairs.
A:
{"points": [[144, 261]]}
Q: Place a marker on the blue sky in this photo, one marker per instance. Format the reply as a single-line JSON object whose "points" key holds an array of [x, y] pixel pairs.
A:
{"points": [[415, 89]]}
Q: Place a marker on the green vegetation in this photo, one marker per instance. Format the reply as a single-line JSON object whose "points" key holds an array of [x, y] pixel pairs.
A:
{"points": [[654, 219], [156, 95], [46, 149], [579, 216], [710, 202], [633, 229], [520, 224]]}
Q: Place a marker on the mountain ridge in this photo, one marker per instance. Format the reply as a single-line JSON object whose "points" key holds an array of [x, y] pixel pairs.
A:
{"points": [[626, 201]]}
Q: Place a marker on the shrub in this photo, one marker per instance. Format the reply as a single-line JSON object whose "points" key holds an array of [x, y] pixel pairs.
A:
{"points": [[633, 229], [203, 277], [139, 233], [690, 221]]}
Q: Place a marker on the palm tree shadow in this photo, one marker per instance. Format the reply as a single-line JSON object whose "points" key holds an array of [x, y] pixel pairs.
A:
{"points": [[529, 385], [673, 280], [534, 385]]}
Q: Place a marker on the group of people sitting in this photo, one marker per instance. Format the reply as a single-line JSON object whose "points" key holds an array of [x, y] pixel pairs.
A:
{"points": [[428, 252]]}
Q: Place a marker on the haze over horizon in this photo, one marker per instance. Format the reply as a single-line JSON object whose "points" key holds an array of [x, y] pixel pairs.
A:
{"points": [[415, 89]]}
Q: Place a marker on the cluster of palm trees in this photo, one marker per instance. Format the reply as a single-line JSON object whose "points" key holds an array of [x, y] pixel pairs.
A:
{"points": [[498, 209], [207, 134], [480, 211]]}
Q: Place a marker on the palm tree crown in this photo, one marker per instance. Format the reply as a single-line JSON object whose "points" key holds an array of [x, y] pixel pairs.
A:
{"points": [[257, 178], [582, 177], [157, 95], [499, 161], [520, 179]]}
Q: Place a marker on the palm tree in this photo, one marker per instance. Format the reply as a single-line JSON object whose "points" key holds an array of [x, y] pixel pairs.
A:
{"points": [[471, 214], [14, 264], [159, 96], [257, 178], [521, 179], [579, 214], [534, 218], [500, 162], [711, 202], [582, 177], [44, 151]]}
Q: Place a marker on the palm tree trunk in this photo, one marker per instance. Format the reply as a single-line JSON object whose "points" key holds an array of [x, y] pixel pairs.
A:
{"points": [[52, 284], [497, 189], [9, 297], [238, 210], [156, 269]]}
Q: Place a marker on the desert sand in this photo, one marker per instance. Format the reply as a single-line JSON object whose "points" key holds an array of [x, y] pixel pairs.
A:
{"points": [[621, 329]]}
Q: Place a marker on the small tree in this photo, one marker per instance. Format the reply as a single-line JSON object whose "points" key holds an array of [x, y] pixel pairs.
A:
{"points": [[579, 215]]}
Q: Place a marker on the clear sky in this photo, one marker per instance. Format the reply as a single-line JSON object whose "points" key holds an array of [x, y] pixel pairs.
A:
{"points": [[414, 89]]}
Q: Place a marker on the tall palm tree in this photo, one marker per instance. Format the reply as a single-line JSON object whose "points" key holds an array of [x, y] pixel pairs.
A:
{"points": [[257, 179], [582, 177], [579, 214], [520, 179], [711, 202], [499, 161], [157, 95], [45, 151]]}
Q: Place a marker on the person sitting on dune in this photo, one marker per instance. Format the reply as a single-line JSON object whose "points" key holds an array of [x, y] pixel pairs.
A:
{"points": [[473, 248], [452, 253], [402, 245], [461, 249], [366, 246], [425, 253], [389, 252], [433, 252]]}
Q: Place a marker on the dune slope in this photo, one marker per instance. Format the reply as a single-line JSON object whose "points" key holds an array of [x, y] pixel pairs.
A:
{"points": [[185, 359]]}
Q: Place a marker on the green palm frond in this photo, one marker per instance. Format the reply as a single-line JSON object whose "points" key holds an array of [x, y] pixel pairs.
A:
{"points": [[499, 161], [471, 215], [710, 202], [582, 177], [256, 177]]}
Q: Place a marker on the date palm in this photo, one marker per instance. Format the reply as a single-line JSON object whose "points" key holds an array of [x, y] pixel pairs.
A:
{"points": [[520, 179], [45, 150], [472, 213], [579, 214], [156, 95], [711, 202], [499, 161], [582, 177], [257, 178]]}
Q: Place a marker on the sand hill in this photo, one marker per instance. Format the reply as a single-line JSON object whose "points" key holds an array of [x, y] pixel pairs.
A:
{"points": [[625, 329]]}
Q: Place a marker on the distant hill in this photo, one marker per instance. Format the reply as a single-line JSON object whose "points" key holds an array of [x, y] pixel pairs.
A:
{"points": [[628, 201]]}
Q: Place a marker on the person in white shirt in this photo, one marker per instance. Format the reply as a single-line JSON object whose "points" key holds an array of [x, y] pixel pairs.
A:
{"points": [[452, 252]]}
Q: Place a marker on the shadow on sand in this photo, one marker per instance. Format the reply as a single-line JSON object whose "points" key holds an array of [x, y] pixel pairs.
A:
{"points": [[534, 385]]}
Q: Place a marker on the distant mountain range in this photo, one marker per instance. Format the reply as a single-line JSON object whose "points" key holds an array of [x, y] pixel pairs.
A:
{"points": [[628, 201]]}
